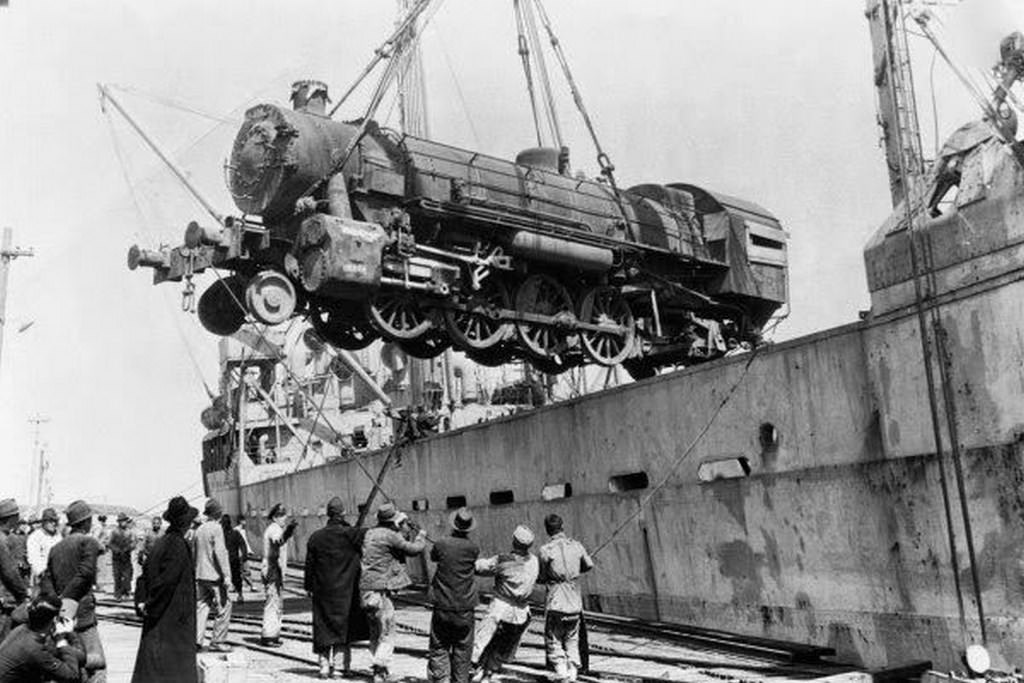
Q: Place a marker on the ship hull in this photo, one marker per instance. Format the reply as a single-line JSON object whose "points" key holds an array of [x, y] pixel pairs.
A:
{"points": [[828, 523]]}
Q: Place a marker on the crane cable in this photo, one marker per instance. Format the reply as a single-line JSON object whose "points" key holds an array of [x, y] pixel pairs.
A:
{"points": [[603, 160], [380, 90], [385, 51], [545, 81], [524, 56], [133, 192]]}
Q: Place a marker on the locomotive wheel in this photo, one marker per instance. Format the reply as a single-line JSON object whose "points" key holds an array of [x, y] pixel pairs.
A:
{"points": [[544, 295], [271, 297], [606, 306], [396, 315], [342, 325], [480, 330], [498, 355], [430, 345]]}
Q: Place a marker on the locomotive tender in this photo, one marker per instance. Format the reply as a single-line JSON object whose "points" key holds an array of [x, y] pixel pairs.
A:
{"points": [[374, 234]]}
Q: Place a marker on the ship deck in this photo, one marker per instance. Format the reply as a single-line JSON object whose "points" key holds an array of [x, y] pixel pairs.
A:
{"points": [[620, 649]]}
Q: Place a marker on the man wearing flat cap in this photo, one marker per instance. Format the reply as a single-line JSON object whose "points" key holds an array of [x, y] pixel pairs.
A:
{"points": [[331, 579], [383, 573], [70, 575], [121, 544], [14, 592], [40, 542], [167, 649], [453, 594], [499, 632], [275, 562], [213, 573]]}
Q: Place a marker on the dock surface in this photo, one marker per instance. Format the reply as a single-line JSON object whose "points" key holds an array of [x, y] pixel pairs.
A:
{"points": [[620, 650]]}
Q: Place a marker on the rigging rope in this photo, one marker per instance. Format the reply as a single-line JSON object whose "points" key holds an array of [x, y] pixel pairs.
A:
{"points": [[646, 499], [603, 160], [383, 52], [122, 161], [524, 55], [458, 88], [545, 82]]}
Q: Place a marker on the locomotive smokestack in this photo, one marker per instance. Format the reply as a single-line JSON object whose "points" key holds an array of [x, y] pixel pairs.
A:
{"points": [[310, 96]]}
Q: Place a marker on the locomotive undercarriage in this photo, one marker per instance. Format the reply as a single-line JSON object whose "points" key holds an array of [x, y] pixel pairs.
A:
{"points": [[472, 297]]}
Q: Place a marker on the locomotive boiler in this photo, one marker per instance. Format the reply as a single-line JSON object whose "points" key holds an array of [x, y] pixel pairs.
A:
{"points": [[373, 234]]}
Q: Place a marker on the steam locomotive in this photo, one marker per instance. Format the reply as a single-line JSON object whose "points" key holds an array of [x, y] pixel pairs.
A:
{"points": [[373, 234]]}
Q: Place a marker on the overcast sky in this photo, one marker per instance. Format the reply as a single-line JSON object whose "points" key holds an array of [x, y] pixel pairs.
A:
{"points": [[766, 99]]}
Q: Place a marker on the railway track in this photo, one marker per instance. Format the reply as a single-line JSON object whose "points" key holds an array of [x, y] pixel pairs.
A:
{"points": [[763, 652], [243, 625]]}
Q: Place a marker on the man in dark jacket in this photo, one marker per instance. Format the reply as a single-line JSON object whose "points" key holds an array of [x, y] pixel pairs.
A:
{"points": [[70, 575], [15, 591], [382, 573], [121, 544], [167, 650], [332, 575], [453, 594], [40, 651]]}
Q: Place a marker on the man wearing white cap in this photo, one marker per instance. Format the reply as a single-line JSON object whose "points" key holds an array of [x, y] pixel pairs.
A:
{"points": [[499, 632], [39, 544]]}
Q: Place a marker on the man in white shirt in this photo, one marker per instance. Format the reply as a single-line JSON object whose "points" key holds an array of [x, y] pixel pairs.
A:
{"points": [[39, 543], [275, 562]]}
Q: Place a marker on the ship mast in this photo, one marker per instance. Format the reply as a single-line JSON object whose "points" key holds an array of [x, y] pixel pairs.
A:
{"points": [[897, 109]]}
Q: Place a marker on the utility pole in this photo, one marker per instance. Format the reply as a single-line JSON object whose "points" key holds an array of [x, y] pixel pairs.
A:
{"points": [[39, 462], [8, 253]]}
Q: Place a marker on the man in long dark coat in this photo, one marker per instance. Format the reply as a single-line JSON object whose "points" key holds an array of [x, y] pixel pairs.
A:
{"points": [[332, 575], [167, 650]]}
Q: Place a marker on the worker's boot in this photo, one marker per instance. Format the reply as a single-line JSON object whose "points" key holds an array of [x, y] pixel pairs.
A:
{"points": [[325, 665], [343, 661]]}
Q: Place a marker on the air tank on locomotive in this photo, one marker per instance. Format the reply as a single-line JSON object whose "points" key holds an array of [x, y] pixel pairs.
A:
{"points": [[374, 234]]}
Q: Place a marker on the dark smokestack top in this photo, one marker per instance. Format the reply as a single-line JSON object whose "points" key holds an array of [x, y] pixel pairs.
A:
{"points": [[310, 96]]}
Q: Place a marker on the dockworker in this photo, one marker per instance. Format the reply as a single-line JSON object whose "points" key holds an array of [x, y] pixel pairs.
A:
{"points": [[42, 650], [17, 544], [213, 575], [167, 649], [104, 571], [121, 544], [150, 539], [70, 575], [275, 562], [240, 528], [332, 581], [15, 591], [562, 560], [40, 542], [499, 632], [383, 573], [236, 553], [454, 597]]}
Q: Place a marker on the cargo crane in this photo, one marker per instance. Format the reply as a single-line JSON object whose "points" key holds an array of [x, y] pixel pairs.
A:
{"points": [[376, 234]]}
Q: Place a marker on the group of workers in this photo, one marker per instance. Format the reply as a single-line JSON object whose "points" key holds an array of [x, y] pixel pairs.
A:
{"points": [[48, 622], [353, 573]]}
